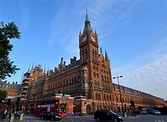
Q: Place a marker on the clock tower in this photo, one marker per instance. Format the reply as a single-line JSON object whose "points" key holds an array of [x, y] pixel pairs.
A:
{"points": [[95, 72], [88, 44]]}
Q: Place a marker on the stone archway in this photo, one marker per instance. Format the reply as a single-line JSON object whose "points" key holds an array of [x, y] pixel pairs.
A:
{"points": [[88, 109]]}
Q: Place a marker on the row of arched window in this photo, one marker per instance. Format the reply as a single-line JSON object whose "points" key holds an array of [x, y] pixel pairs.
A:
{"points": [[94, 55], [105, 97], [84, 55]]}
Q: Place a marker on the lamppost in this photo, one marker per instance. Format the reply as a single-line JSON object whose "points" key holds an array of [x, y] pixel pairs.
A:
{"points": [[120, 91]]}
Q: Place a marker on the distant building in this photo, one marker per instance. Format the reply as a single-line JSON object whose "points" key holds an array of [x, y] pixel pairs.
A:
{"points": [[140, 99], [12, 89], [87, 80]]}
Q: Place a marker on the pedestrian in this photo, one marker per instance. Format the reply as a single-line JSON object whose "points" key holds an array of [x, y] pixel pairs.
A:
{"points": [[4, 114]]}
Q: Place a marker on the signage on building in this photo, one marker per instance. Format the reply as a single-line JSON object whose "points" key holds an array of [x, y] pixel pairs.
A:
{"points": [[63, 105], [46, 106], [62, 101]]}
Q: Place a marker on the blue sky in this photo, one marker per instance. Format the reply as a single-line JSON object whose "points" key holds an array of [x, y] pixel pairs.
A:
{"points": [[133, 32]]}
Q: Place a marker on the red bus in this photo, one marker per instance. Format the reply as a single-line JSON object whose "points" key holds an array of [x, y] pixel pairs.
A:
{"points": [[46, 107]]}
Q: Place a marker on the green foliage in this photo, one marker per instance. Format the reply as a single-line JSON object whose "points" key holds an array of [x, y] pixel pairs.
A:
{"points": [[7, 32], [3, 94]]}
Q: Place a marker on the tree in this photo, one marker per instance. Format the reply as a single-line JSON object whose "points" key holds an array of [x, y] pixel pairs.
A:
{"points": [[7, 32], [3, 94]]}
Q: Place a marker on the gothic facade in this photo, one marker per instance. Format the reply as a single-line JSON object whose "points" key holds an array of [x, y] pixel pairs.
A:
{"points": [[89, 78]]}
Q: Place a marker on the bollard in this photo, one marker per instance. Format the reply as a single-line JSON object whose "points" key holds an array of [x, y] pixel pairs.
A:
{"points": [[125, 114], [21, 117], [11, 118]]}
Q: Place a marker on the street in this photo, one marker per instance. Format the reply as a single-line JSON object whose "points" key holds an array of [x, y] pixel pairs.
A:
{"points": [[146, 118], [139, 118]]}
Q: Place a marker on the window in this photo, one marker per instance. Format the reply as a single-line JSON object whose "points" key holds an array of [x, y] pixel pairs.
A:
{"points": [[117, 87], [85, 74], [136, 92], [86, 84], [93, 57], [128, 90]]}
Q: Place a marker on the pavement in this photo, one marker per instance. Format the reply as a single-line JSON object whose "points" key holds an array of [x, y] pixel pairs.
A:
{"points": [[16, 119]]}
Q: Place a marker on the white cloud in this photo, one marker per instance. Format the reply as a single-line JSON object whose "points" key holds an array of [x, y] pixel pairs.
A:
{"points": [[63, 27], [149, 73], [56, 29], [116, 11]]}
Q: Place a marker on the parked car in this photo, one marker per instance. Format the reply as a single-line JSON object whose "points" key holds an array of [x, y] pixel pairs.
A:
{"points": [[156, 112], [137, 112], [143, 112], [101, 115], [62, 114], [150, 110], [50, 116]]}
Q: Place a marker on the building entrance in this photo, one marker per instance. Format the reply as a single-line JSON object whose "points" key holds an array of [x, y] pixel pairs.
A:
{"points": [[88, 109]]}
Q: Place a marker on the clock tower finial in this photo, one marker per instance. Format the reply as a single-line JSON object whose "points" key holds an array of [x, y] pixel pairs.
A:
{"points": [[87, 19], [87, 27]]}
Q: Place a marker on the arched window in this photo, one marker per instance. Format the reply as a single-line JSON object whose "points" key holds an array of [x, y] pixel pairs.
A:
{"points": [[83, 56], [86, 54], [93, 54], [99, 96]]}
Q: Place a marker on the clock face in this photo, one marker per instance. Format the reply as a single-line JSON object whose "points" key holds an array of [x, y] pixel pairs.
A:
{"points": [[93, 39], [84, 39]]}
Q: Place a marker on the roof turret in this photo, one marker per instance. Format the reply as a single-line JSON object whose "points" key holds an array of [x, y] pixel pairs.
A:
{"points": [[106, 56]]}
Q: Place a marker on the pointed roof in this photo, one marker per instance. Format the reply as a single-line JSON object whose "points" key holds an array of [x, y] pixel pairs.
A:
{"points": [[87, 19], [87, 27], [106, 56], [32, 66], [28, 69], [44, 70]]}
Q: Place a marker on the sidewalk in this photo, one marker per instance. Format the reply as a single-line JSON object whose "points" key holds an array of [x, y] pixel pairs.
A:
{"points": [[7, 120], [25, 119]]}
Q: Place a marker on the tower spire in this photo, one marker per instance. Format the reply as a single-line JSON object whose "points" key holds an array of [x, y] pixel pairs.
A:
{"points": [[32, 66], [28, 69], [87, 27], [87, 19], [106, 56]]}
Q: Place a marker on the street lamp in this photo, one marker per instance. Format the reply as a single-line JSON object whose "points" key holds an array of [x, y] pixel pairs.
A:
{"points": [[120, 91]]}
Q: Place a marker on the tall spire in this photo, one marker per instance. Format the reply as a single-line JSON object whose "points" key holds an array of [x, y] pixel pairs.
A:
{"points": [[106, 56], [28, 69], [87, 27], [32, 66], [87, 19], [44, 70]]}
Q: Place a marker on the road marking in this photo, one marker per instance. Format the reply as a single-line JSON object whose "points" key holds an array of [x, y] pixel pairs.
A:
{"points": [[81, 120], [71, 119], [159, 121]]}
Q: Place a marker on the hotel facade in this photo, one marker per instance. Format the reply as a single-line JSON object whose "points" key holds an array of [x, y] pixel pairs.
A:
{"points": [[84, 85]]}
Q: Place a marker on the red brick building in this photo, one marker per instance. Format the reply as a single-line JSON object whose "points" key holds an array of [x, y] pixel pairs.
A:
{"points": [[140, 99], [13, 89], [89, 78]]}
